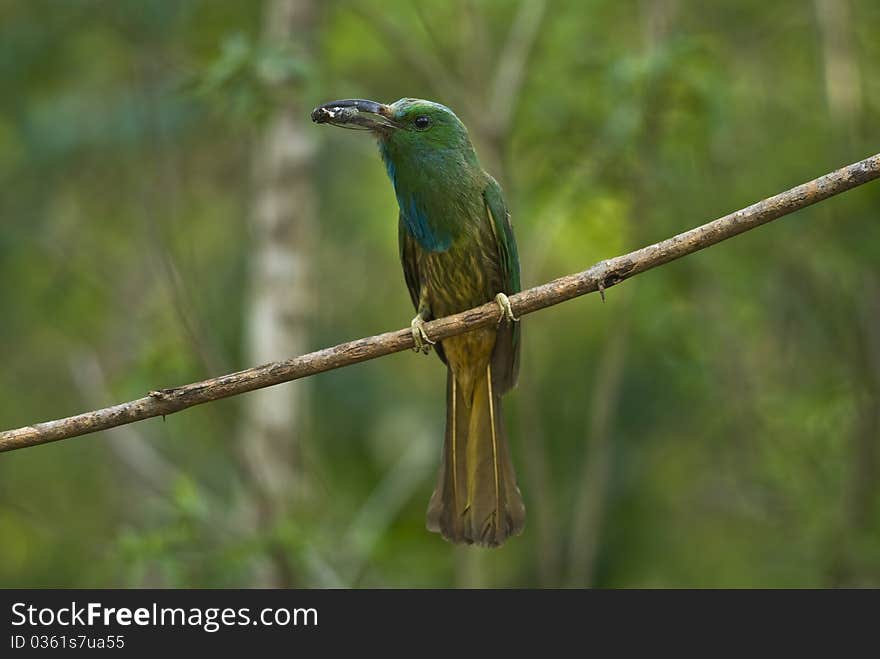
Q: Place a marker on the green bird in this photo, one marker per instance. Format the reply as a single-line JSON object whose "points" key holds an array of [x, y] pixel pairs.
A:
{"points": [[458, 251]]}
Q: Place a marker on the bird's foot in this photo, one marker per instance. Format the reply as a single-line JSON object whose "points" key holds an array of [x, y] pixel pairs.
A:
{"points": [[421, 341], [506, 312]]}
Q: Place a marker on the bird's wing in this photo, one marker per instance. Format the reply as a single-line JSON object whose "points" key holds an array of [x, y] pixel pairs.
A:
{"points": [[506, 356], [410, 262]]}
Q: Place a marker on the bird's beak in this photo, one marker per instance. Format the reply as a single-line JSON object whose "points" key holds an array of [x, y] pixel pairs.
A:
{"points": [[356, 113]]}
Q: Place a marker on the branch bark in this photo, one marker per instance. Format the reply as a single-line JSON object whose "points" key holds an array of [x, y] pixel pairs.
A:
{"points": [[597, 278]]}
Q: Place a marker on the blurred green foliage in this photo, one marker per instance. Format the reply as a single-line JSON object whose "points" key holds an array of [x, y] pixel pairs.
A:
{"points": [[741, 385]]}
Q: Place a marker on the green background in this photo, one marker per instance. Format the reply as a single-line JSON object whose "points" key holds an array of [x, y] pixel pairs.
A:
{"points": [[714, 423]]}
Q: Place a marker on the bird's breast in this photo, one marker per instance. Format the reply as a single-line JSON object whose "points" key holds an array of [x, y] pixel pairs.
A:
{"points": [[459, 279], [464, 276]]}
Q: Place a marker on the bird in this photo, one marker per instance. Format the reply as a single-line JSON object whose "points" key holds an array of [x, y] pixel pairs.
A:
{"points": [[458, 251]]}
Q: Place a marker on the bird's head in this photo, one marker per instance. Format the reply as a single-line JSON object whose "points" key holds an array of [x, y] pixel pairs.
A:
{"points": [[410, 127]]}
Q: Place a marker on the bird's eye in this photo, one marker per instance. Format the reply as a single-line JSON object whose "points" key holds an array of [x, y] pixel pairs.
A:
{"points": [[422, 122]]}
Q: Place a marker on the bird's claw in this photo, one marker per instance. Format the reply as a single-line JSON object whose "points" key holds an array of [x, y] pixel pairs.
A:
{"points": [[506, 312], [421, 340]]}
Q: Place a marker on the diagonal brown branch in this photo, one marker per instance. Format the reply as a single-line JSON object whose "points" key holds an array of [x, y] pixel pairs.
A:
{"points": [[597, 278]]}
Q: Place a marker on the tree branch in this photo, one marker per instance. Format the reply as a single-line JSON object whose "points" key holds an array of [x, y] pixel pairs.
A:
{"points": [[597, 278]]}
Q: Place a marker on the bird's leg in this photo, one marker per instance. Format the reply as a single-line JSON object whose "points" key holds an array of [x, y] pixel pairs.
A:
{"points": [[506, 312], [421, 340]]}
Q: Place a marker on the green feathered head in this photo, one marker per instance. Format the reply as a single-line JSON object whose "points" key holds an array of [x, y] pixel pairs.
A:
{"points": [[406, 128], [429, 158]]}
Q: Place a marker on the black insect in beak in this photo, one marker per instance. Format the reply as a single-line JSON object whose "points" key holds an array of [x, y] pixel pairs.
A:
{"points": [[355, 113]]}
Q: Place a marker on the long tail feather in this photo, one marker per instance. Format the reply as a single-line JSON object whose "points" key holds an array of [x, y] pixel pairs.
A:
{"points": [[476, 500]]}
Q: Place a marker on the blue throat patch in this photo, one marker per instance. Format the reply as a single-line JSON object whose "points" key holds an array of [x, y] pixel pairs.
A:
{"points": [[415, 219]]}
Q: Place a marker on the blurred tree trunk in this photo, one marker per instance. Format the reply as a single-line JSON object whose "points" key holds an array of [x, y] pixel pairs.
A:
{"points": [[843, 92], [863, 501], [843, 87], [657, 19], [279, 304]]}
